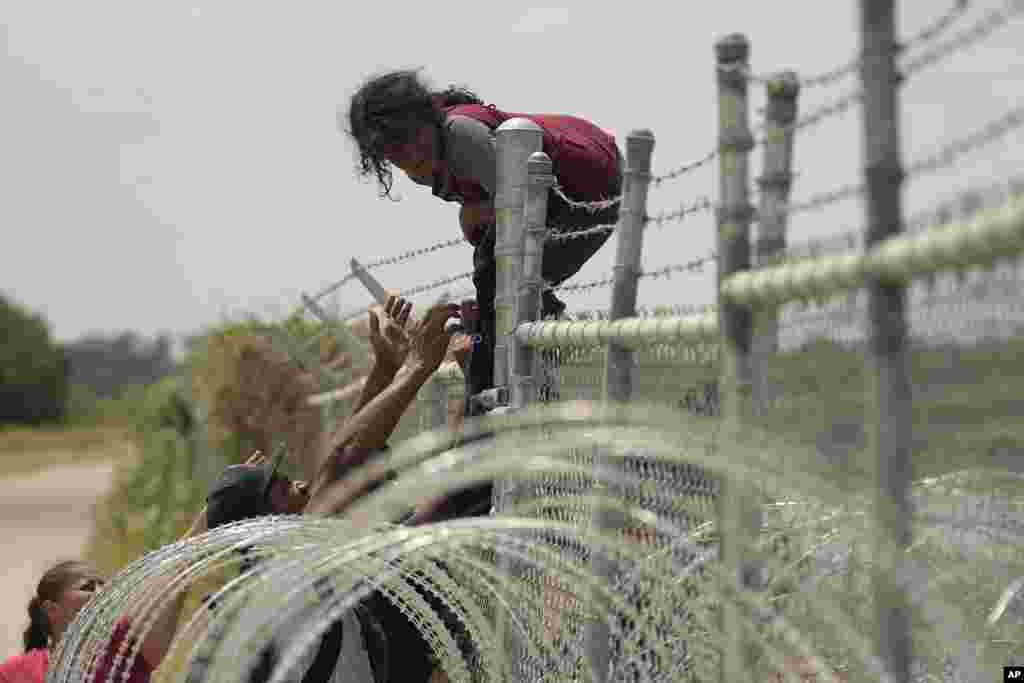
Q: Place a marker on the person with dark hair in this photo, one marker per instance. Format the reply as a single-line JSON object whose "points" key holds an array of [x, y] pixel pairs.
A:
{"points": [[62, 592], [446, 140], [374, 643]]}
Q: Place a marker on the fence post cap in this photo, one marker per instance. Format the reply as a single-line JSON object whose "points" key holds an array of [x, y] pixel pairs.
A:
{"points": [[732, 48], [783, 84], [519, 123], [641, 133], [539, 163]]}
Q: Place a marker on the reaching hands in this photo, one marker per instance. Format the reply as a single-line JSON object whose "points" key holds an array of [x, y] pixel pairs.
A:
{"points": [[419, 346], [389, 337], [430, 340]]}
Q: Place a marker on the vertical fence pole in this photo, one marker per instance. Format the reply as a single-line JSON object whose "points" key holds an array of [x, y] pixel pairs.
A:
{"points": [[620, 363], [517, 139], [889, 396], [620, 370], [775, 182], [524, 367], [736, 510]]}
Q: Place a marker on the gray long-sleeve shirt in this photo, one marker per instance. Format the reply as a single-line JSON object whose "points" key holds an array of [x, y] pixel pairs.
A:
{"points": [[470, 151]]}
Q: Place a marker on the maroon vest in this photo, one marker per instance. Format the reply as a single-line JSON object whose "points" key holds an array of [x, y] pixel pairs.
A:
{"points": [[584, 157]]}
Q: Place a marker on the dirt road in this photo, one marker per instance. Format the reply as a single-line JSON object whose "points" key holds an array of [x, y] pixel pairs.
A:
{"points": [[44, 518]]}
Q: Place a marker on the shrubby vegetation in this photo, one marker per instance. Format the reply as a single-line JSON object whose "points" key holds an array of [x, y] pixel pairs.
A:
{"points": [[95, 381], [237, 392], [34, 369]]}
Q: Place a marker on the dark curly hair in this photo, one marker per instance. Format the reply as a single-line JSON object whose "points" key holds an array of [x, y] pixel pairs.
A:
{"points": [[388, 110]]}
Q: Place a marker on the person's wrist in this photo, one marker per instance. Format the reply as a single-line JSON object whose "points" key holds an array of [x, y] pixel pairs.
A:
{"points": [[416, 369]]}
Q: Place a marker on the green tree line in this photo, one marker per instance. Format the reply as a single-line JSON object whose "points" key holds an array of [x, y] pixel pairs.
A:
{"points": [[46, 382]]}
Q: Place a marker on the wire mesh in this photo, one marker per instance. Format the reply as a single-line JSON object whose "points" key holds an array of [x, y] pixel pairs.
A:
{"points": [[679, 376], [814, 380]]}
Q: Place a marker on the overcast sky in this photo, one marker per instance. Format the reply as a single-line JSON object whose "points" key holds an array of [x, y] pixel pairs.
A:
{"points": [[166, 163]]}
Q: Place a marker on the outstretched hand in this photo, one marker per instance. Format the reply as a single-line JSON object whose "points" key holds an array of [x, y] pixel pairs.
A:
{"points": [[430, 340], [389, 338]]}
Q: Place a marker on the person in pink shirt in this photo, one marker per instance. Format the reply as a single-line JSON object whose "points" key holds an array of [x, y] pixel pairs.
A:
{"points": [[62, 592]]}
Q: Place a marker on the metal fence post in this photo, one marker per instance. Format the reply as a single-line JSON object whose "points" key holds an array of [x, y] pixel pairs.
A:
{"points": [[528, 307], [620, 370], [737, 513], [620, 364], [517, 139], [775, 182], [889, 414]]}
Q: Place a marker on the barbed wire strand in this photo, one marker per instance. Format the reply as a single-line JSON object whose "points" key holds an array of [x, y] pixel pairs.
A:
{"points": [[945, 157], [948, 155], [590, 207], [823, 199], [827, 78], [838, 106], [422, 289], [936, 216], [699, 205], [987, 25], [927, 34], [553, 236], [686, 168], [580, 286], [389, 261], [696, 265]]}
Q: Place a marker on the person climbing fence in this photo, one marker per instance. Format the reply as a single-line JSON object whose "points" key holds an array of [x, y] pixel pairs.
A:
{"points": [[446, 140]]}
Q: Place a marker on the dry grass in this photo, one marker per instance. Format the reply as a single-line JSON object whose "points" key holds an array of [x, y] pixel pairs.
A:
{"points": [[25, 451]]}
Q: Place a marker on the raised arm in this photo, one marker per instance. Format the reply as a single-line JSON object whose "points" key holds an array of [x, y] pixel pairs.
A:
{"points": [[390, 343], [369, 429]]}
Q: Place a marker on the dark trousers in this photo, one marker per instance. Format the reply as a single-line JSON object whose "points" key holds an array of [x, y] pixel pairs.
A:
{"points": [[561, 260]]}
